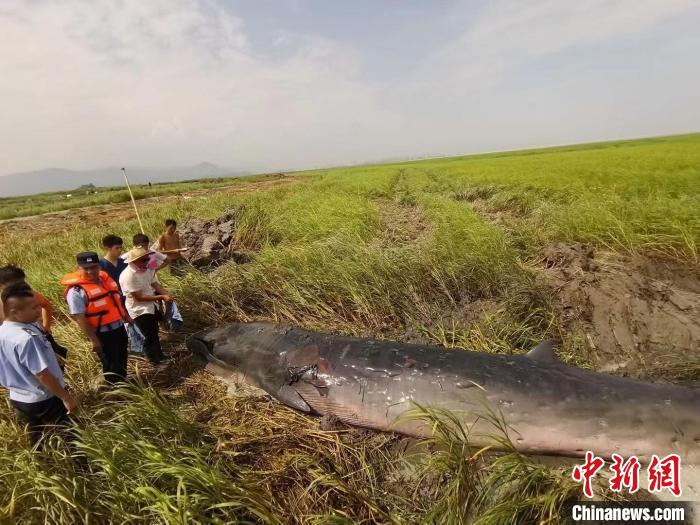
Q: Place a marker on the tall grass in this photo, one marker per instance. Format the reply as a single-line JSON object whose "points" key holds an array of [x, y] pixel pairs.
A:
{"points": [[194, 455], [477, 485], [631, 196], [326, 255]]}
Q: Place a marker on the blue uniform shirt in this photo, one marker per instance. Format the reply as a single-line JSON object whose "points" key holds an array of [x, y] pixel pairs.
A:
{"points": [[114, 271], [77, 301], [24, 352]]}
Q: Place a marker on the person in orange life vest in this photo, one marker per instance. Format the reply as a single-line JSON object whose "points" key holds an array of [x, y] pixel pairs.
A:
{"points": [[12, 274], [95, 304]]}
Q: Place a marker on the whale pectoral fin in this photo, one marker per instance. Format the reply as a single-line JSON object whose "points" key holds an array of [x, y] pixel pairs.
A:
{"points": [[544, 353], [290, 397]]}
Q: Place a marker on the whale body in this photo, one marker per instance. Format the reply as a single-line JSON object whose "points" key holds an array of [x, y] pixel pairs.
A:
{"points": [[550, 408]]}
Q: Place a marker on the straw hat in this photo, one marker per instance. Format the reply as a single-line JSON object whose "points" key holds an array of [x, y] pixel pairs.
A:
{"points": [[135, 254]]}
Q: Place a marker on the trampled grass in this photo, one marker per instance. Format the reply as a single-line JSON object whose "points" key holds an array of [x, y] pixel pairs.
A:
{"points": [[328, 256]]}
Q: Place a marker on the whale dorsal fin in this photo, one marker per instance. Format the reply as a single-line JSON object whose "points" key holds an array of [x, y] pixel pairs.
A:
{"points": [[290, 397], [544, 353]]}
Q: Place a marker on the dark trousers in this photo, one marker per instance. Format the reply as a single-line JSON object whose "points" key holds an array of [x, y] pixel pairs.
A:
{"points": [[115, 344], [39, 415], [148, 324]]}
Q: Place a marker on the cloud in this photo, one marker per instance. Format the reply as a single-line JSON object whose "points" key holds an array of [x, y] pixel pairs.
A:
{"points": [[510, 33], [90, 84], [170, 81], [547, 72]]}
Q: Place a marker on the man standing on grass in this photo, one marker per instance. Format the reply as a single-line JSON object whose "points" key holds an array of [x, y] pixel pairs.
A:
{"points": [[156, 260], [143, 294], [169, 244], [112, 263], [96, 305], [28, 365]]}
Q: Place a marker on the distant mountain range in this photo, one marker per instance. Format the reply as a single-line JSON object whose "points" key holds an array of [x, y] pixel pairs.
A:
{"points": [[57, 179]]}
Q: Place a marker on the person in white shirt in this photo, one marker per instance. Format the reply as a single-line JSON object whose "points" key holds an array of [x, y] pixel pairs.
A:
{"points": [[143, 294]]}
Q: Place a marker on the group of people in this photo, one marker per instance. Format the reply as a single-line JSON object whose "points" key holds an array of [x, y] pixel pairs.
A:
{"points": [[104, 297]]}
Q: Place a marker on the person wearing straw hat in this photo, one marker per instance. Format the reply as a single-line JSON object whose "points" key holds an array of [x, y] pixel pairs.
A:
{"points": [[143, 294], [96, 306]]}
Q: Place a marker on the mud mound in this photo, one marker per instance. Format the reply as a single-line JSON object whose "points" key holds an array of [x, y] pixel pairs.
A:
{"points": [[570, 257], [639, 316], [212, 243]]}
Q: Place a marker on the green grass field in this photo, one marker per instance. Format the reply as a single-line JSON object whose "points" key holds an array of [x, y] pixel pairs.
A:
{"points": [[396, 251], [11, 207]]}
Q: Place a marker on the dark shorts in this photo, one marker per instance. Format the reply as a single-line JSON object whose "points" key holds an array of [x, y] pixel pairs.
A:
{"points": [[37, 416]]}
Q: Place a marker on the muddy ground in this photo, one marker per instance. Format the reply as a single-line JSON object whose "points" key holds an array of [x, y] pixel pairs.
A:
{"points": [[214, 242], [639, 316]]}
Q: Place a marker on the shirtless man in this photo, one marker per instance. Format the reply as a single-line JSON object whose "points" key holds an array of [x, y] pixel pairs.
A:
{"points": [[169, 244]]}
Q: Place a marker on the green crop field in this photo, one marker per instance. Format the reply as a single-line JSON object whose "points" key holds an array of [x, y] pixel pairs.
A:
{"points": [[11, 207], [444, 251]]}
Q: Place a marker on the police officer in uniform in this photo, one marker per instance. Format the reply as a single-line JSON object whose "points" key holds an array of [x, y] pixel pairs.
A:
{"points": [[28, 365]]}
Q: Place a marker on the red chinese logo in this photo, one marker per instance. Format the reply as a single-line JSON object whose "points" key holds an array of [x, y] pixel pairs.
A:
{"points": [[661, 474], [586, 472], [626, 474], [665, 474]]}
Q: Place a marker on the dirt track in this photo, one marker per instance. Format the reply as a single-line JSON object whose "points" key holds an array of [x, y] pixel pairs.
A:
{"points": [[121, 211]]}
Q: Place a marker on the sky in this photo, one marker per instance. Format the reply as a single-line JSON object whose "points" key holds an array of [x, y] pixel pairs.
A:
{"points": [[264, 85]]}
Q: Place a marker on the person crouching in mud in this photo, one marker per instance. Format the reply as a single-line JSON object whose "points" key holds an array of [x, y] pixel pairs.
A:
{"points": [[143, 294]]}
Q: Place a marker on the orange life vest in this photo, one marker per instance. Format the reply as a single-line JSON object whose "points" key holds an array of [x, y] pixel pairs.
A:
{"points": [[104, 304]]}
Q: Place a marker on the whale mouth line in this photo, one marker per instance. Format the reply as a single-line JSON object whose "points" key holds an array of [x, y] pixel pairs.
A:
{"points": [[197, 346], [203, 351]]}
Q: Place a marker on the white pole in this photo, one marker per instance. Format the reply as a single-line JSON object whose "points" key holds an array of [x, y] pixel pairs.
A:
{"points": [[126, 179]]}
